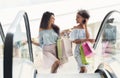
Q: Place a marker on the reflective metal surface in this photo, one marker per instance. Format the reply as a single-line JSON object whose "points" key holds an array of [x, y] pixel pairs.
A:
{"points": [[108, 39]]}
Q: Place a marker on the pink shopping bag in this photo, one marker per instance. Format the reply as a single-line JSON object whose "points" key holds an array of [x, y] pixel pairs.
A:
{"points": [[88, 50]]}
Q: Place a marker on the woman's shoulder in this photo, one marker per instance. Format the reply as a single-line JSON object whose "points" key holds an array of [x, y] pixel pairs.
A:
{"points": [[41, 29], [75, 27], [45, 30]]}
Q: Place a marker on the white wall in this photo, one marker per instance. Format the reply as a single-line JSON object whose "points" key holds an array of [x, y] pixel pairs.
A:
{"points": [[65, 11]]}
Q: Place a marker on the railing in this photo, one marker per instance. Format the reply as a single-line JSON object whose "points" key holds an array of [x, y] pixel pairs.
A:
{"points": [[2, 33], [8, 44], [110, 47], [102, 27]]}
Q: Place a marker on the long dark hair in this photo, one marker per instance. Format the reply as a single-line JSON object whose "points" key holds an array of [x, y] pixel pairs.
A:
{"points": [[45, 21]]}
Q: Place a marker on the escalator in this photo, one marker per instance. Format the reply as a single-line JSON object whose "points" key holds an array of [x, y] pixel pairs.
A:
{"points": [[108, 44], [14, 64]]}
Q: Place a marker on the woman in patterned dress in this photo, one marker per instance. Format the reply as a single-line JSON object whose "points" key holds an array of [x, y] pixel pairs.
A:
{"points": [[79, 35]]}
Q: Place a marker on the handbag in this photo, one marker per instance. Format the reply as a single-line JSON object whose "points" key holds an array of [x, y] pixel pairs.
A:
{"points": [[67, 47], [61, 51], [83, 58], [87, 48]]}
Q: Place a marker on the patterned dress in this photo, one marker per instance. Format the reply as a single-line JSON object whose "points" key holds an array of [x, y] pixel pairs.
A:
{"points": [[77, 34]]}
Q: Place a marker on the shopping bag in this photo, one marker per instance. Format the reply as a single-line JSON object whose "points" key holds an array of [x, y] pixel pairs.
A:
{"points": [[83, 58], [67, 47], [61, 51], [87, 48]]}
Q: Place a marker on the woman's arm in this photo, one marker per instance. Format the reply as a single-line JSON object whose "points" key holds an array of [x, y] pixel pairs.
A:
{"points": [[35, 43], [78, 41], [86, 29], [87, 33]]}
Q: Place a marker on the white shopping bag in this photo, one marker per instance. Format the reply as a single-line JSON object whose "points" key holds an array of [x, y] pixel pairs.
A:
{"points": [[68, 46]]}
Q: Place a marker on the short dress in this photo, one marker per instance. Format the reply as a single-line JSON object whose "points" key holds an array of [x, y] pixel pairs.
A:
{"points": [[47, 40], [78, 34]]}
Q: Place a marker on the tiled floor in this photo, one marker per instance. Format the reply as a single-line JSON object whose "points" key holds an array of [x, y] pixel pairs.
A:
{"points": [[68, 76]]}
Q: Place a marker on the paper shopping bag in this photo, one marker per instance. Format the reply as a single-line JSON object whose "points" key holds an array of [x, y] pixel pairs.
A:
{"points": [[61, 51], [87, 48], [83, 58], [67, 47]]}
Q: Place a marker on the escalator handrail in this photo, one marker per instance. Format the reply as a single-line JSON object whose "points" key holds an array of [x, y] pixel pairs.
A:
{"points": [[13, 29], [102, 27], [8, 44], [108, 68], [2, 33], [8, 51]]}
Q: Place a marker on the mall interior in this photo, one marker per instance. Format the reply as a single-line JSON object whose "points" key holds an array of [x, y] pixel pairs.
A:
{"points": [[19, 26]]}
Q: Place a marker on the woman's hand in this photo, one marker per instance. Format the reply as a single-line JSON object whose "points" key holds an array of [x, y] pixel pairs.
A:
{"points": [[34, 42]]}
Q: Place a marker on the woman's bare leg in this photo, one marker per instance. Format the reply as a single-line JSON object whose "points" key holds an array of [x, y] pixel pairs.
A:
{"points": [[55, 66]]}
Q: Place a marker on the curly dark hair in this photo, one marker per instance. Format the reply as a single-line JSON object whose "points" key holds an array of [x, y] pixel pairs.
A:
{"points": [[84, 14]]}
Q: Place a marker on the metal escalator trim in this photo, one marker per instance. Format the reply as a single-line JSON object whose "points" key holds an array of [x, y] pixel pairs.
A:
{"points": [[108, 67], [102, 27], [2, 33], [28, 35], [15, 24], [102, 73], [8, 49]]}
